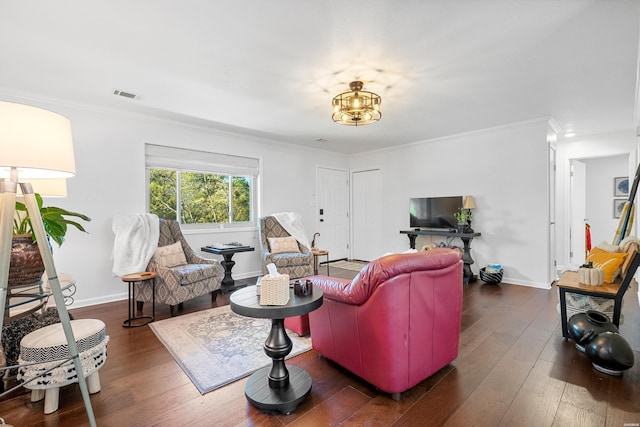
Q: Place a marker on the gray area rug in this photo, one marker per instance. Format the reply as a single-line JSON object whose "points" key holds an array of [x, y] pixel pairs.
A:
{"points": [[349, 265], [216, 347]]}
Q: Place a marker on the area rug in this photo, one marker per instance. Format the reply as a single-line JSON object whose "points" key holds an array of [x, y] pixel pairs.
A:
{"points": [[349, 265], [216, 347]]}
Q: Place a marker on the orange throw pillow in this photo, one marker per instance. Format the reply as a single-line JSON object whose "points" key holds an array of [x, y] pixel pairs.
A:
{"points": [[609, 262]]}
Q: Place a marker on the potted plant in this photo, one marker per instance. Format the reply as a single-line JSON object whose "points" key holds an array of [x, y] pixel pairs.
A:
{"points": [[463, 216], [26, 266]]}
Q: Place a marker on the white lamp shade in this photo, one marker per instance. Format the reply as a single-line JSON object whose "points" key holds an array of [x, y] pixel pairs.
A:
{"points": [[469, 203], [36, 142], [51, 187]]}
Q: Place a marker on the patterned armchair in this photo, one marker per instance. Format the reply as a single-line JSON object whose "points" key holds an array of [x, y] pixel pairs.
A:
{"points": [[296, 264], [174, 285]]}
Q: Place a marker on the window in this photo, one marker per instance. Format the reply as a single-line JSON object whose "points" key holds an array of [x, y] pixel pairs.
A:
{"points": [[198, 187]]}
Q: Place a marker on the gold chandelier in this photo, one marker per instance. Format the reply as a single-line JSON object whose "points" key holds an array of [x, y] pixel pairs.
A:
{"points": [[357, 107]]}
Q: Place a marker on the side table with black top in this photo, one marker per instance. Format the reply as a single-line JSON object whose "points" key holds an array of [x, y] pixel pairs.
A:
{"points": [[228, 284], [132, 279], [466, 238], [276, 388]]}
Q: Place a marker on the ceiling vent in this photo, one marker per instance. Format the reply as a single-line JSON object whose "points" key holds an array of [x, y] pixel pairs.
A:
{"points": [[126, 94]]}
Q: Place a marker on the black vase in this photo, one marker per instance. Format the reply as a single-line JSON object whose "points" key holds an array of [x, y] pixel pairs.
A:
{"points": [[610, 353], [584, 327]]}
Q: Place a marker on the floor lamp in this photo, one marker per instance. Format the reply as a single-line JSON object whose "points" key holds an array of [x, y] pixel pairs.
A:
{"points": [[35, 143]]}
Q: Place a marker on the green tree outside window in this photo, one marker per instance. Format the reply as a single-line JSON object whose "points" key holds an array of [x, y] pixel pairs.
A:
{"points": [[204, 198], [162, 193]]}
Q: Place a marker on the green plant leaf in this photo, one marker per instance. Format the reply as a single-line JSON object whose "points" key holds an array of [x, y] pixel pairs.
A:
{"points": [[53, 219]]}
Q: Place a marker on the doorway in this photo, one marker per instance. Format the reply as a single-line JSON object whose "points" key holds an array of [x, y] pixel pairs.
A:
{"points": [[593, 198], [367, 216], [578, 188], [332, 215], [552, 214]]}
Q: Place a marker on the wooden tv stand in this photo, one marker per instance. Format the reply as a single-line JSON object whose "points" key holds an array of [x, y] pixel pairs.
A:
{"points": [[466, 238]]}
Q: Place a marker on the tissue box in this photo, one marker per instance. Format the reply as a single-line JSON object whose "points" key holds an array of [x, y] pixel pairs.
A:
{"points": [[274, 290]]}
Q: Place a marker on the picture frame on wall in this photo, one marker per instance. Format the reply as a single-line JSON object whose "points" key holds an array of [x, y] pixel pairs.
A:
{"points": [[621, 186], [618, 205]]}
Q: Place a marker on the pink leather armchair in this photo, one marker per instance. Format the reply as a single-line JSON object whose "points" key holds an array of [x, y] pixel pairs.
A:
{"points": [[397, 322]]}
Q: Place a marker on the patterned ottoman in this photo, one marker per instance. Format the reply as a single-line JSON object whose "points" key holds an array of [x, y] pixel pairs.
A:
{"points": [[44, 349]]}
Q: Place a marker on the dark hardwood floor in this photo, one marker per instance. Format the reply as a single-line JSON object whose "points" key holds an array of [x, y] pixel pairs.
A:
{"points": [[514, 369]]}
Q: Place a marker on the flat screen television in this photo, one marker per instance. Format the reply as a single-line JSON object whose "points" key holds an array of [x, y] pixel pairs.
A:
{"points": [[433, 212]]}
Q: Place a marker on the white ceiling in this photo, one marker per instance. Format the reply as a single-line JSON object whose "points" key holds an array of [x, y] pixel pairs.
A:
{"points": [[270, 68]]}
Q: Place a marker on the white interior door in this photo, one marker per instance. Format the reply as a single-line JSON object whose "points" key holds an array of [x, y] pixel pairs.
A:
{"points": [[332, 216], [578, 211], [366, 214]]}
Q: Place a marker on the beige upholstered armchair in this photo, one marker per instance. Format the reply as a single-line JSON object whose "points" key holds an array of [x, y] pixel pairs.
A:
{"points": [[181, 274], [296, 263]]}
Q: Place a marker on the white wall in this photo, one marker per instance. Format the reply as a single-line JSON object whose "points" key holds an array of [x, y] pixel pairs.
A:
{"points": [[504, 168], [621, 143], [601, 172], [506, 171], [110, 179]]}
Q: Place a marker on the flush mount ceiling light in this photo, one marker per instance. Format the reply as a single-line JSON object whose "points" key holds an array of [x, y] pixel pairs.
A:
{"points": [[357, 107]]}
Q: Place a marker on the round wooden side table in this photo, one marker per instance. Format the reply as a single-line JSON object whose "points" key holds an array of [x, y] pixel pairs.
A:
{"points": [[276, 387], [132, 279], [317, 253]]}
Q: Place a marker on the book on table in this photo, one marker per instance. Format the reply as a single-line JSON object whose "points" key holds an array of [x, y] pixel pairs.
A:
{"points": [[231, 245]]}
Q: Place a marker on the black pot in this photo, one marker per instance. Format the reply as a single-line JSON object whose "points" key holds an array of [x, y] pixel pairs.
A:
{"points": [[610, 353], [584, 327]]}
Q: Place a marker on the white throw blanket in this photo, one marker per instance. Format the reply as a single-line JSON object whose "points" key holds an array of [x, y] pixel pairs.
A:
{"points": [[292, 223], [135, 243]]}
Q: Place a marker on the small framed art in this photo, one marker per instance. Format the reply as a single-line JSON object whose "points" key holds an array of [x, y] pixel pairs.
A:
{"points": [[621, 186], [618, 205]]}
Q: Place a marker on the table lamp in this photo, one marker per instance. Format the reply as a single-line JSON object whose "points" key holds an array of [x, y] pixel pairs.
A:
{"points": [[35, 144], [469, 204]]}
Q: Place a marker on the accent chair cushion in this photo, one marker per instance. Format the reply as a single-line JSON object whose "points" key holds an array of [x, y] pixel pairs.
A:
{"points": [[290, 260], [188, 274], [170, 255], [282, 245]]}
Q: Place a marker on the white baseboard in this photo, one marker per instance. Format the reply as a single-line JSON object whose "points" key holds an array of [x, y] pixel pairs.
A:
{"points": [[124, 295], [525, 283], [100, 300], [246, 274]]}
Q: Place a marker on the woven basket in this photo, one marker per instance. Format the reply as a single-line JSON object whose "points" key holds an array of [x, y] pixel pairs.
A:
{"points": [[274, 291], [26, 266], [494, 278], [578, 303]]}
